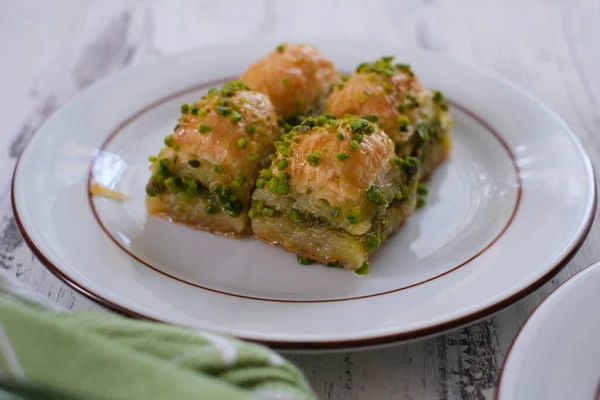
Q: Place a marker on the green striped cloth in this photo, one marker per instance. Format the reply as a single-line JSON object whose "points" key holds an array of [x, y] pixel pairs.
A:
{"points": [[47, 353]]}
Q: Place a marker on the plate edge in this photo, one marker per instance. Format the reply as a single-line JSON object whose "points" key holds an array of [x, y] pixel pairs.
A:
{"points": [[528, 320], [335, 344]]}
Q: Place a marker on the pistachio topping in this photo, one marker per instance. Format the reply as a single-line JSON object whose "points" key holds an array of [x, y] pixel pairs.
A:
{"points": [[282, 164], [223, 110], [342, 156], [304, 261], [354, 217], [235, 116], [250, 129], [403, 122], [364, 269], [313, 159], [375, 195], [438, 98], [384, 66], [204, 128], [211, 209], [371, 117], [242, 143]]}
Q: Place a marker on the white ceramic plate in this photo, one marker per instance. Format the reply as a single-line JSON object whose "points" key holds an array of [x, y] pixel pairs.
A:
{"points": [[504, 214], [556, 353]]}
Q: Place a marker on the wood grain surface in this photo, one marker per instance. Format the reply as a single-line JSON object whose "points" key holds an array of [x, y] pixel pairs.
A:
{"points": [[51, 50]]}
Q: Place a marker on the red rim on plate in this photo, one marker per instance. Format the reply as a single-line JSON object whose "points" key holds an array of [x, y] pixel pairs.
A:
{"points": [[332, 344], [171, 96]]}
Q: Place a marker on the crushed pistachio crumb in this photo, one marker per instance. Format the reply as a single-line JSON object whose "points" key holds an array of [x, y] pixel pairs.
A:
{"points": [[375, 195], [335, 264], [304, 261], [360, 125], [223, 110], [242, 143], [251, 129], [169, 142], [204, 128], [423, 129], [295, 215], [373, 241], [273, 183], [405, 68], [438, 98], [404, 122], [371, 117], [229, 88], [313, 159], [282, 164], [185, 108], [364, 269], [218, 168], [342, 156], [353, 217], [283, 187], [235, 116], [211, 209], [354, 145], [411, 101], [266, 174], [239, 181]]}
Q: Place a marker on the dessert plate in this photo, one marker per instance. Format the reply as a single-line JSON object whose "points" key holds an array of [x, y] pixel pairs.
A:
{"points": [[555, 355], [508, 209]]}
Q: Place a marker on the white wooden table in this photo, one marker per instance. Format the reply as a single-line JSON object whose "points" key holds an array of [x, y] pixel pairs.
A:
{"points": [[51, 50]]}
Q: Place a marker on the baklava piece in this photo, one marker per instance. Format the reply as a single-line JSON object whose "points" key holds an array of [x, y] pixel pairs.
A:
{"points": [[296, 77], [415, 118], [205, 174], [334, 191]]}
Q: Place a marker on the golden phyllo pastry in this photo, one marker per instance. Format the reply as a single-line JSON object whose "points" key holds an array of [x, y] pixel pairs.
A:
{"points": [[334, 191], [205, 174], [296, 77], [415, 118]]}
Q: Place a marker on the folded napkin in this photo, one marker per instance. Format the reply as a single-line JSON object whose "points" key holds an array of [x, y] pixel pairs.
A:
{"points": [[46, 353]]}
